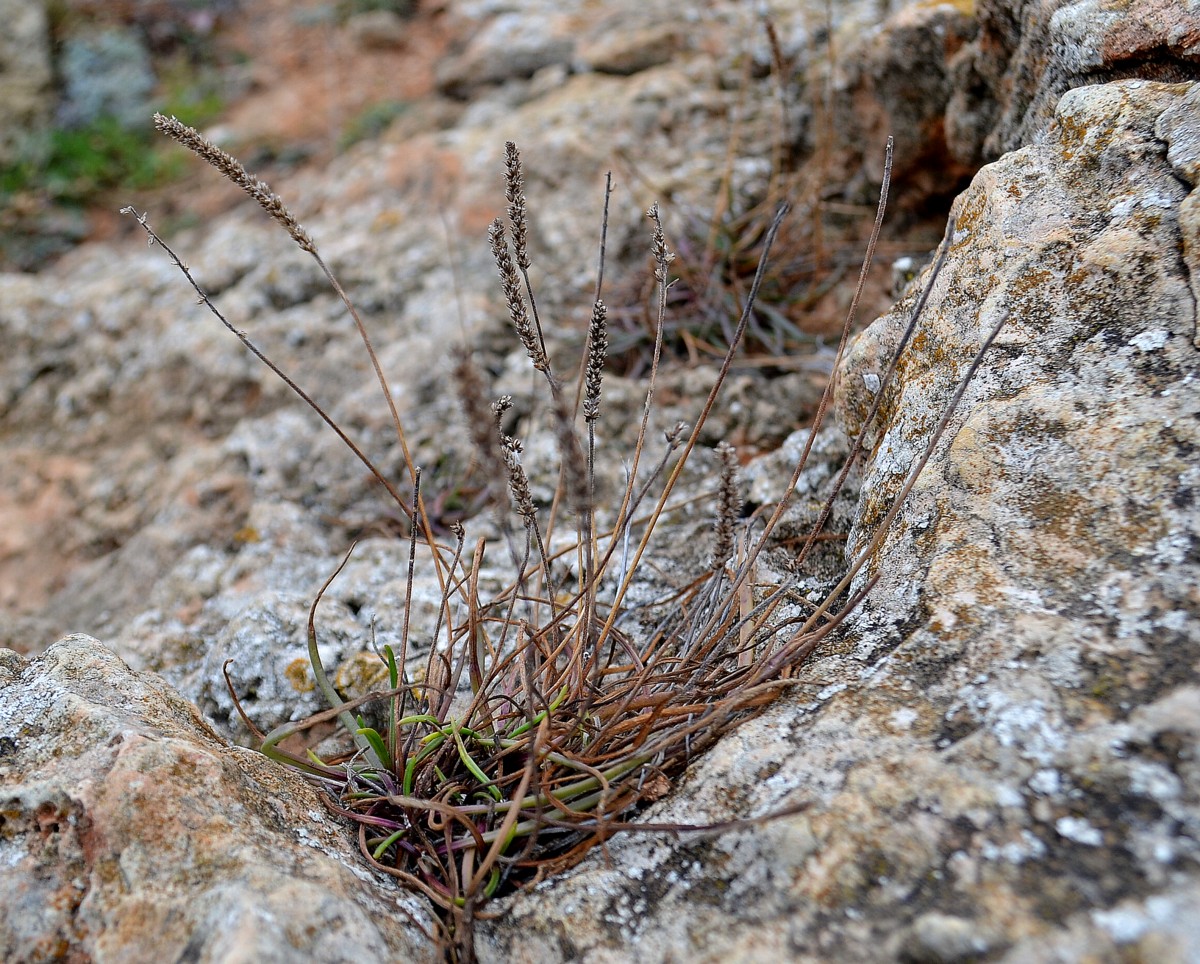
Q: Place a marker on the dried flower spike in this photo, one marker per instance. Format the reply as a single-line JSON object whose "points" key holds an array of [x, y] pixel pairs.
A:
{"points": [[729, 506], [231, 167], [511, 283], [658, 246], [518, 481], [499, 407], [597, 352], [514, 183]]}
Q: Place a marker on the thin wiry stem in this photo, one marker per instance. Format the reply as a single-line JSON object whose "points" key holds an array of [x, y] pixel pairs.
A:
{"points": [[260, 191], [597, 350], [229, 166], [662, 258], [883, 528], [522, 496], [718, 382], [203, 299], [827, 394]]}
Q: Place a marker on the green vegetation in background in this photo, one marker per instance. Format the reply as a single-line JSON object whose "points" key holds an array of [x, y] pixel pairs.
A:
{"points": [[75, 165], [370, 122], [79, 163], [402, 8]]}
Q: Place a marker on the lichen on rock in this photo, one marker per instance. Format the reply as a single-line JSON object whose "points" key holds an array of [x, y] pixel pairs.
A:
{"points": [[130, 831]]}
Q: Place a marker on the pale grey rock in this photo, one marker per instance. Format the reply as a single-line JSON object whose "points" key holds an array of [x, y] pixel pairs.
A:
{"points": [[1030, 52], [129, 831], [1073, 261], [944, 939], [1179, 127], [627, 49], [105, 74], [511, 46], [26, 78], [125, 399]]}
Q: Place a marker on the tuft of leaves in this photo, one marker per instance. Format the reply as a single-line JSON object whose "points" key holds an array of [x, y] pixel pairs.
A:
{"points": [[542, 717]]}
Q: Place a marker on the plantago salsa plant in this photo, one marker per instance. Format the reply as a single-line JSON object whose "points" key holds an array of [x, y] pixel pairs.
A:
{"points": [[541, 721]]}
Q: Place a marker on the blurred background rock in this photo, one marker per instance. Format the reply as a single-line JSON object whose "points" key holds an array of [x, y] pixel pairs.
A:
{"points": [[80, 80]]}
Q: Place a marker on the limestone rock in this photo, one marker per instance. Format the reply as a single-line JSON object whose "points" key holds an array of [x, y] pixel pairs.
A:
{"points": [[1000, 758], [1030, 52], [106, 74], [1179, 127], [129, 831], [627, 49], [897, 80], [147, 447], [512, 46], [1064, 240], [26, 76]]}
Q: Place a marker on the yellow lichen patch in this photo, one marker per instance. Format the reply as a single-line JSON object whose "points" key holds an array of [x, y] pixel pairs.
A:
{"points": [[1072, 135], [1088, 125], [360, 674], [1030, 280], [970, 215], [298, 674], [1061, 528], [974, 457], [959, 583], [965, 7]]}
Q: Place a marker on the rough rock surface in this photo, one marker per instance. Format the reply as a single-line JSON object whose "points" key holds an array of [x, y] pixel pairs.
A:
{"points": [[123, 815], [999, 757], [1028, 53], [1001, 762], [106, 74], [163, 493], [899, 81], [26, 95]]}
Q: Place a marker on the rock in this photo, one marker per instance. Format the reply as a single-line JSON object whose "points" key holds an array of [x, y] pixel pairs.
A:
{"points": [[1028, 53], [897, 79], [943, 939], [377, 29], [105, 74], [26, 77], [1000, 756], [129, 396], [1179, 127], [1099, 302], [629, 50], [511, 46], [129, 831], [30, 242]]}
